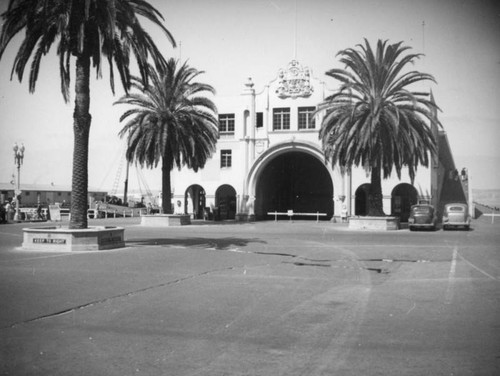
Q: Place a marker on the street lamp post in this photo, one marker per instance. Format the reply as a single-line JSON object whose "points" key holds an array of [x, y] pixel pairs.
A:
{"points": [[18, 161]]}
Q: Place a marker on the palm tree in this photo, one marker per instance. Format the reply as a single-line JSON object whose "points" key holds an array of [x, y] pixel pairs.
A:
{"points": [[374, 120], [88, 30], [171, 120]]}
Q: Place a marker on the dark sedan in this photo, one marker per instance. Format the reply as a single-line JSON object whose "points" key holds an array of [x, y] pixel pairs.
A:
{"points": [[422, 216]]}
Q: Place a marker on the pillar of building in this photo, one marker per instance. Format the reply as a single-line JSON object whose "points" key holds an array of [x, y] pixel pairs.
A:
{"points": [[249, 91], [348, 191], [246, 206]]}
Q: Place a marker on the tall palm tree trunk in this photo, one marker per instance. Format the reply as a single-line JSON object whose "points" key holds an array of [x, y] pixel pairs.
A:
{"points": [[81, 132], [375, 198], [166, 189]]}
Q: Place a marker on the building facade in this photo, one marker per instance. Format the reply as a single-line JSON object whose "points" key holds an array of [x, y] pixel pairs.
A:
{"points": [[269, 159], [34, 194]]}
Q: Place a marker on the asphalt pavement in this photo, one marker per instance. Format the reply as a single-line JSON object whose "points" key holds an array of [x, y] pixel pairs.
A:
{"points": [[264, 298]]}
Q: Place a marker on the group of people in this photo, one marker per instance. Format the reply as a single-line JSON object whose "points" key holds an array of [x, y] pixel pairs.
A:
{"points": [[8, 210], [454, 175]]}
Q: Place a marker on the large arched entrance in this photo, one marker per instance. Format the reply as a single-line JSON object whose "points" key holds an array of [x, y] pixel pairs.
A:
{"points": [[297, 181], [194, 201], [403, 196], [225, 202]]}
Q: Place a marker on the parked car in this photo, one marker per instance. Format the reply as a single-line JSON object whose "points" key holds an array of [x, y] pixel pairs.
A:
{"points": [[422, 216], [456, 215]]}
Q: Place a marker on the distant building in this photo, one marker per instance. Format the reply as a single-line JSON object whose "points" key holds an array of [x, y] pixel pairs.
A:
{"points": [[269, 159], [32, 194]]}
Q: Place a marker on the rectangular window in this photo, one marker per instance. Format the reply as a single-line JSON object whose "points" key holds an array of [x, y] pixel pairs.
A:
{"points": [[225, 158], [306, 118], [226, 124], [260, 120], [281, 118]]}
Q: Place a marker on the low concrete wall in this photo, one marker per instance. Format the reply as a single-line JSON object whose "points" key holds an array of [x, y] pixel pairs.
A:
{"points": [[160, 220], [53, 239], [244, 217], [374, 223]]}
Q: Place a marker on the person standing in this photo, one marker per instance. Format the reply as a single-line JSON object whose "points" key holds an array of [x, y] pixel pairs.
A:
{"points": [[343, 213], [9, 211], [3, 214]]}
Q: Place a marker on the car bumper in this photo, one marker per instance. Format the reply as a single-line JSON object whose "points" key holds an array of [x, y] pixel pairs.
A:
{"points": [[429, 226], [456, 224]]}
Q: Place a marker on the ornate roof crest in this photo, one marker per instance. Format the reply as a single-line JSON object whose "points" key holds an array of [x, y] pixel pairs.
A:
{"points": [[294, 81]]}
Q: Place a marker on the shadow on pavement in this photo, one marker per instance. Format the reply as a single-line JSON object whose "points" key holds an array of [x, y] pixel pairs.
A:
{"points": [[212, 243]]}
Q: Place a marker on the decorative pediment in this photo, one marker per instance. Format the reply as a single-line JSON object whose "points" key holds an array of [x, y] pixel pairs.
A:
{"points": [[294, 81]]}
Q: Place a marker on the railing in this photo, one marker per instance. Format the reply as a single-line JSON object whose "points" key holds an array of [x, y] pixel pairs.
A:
{"points": [[494, 211], [291, 213], [492, 215], [112, 213], [31, 214]]}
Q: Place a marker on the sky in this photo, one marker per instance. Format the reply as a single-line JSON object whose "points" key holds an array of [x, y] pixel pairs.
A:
{"points": [[233, 40]]}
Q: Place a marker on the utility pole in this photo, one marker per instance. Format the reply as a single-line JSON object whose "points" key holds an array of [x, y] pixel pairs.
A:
{"points": [[18, 160]]}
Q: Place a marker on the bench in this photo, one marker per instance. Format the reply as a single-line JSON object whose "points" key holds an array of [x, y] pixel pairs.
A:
{"points": [[65, 212], [291, 213]]}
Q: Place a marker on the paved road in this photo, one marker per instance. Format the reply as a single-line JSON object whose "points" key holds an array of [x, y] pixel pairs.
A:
{"points": [[267, 298]]}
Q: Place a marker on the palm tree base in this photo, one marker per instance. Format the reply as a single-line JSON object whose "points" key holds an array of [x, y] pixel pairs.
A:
{"points": [[385, 223], [64, 239], [165, 220]]}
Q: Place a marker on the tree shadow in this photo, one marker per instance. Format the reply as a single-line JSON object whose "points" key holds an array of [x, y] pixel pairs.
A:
{"points": [[209, 243]]}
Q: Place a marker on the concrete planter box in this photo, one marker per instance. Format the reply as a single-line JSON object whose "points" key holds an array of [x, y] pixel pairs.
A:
{"points": [[55, 239], [374, 223], [165, 220]]}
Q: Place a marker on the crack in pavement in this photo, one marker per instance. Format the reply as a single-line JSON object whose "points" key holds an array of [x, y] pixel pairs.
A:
{"points": [[392, 260], [312, 262], [319, 262], [284, 254], [297, 263], [377, 270], [110, 298]]}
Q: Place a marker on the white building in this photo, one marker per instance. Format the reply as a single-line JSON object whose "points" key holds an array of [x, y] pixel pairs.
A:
{"points": [[269, 158]]}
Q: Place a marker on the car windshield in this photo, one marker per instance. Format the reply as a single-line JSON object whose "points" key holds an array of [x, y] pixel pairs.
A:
{"points": [[456, 209], [422, 209]]}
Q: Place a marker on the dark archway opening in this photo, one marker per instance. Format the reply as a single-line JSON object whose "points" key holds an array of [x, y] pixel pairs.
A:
{"points": [[361, 200], [294, 181], [194, 201], [225, 202], [404, 195]]}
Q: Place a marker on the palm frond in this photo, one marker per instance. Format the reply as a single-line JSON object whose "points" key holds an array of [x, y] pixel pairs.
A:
{"points": [[171, 118], [99, 30]]}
